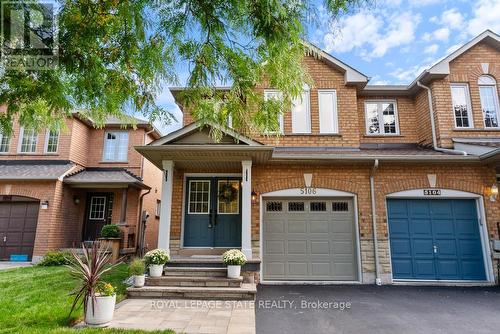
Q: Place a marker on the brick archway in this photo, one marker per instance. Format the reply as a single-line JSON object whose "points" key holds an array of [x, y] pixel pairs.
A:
{"points": [[298, 182]]}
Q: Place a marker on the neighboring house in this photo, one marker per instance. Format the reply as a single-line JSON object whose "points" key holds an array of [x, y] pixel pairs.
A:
{"points": [[58, 188], [352, 158]]}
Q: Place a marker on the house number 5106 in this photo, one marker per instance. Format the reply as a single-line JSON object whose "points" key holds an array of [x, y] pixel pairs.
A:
{"points": [[308, 191]]}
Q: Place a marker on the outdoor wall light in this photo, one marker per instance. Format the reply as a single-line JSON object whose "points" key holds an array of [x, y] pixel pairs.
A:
{"points": [[76, 199], [254, 197], [45, 205], [493, 192]]}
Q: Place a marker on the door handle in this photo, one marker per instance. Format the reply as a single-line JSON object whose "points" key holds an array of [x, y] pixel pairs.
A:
{"points": [[435, 248], [210, 219], [4, 239]]}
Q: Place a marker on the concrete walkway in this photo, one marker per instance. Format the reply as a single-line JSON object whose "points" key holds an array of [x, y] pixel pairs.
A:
{"points": [[12, 265], [186, 316]]}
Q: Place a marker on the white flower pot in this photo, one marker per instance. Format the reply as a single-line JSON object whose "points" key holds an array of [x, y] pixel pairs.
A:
{"points": [[233, 271], [102, 314], [139, 281], [155, 270]]}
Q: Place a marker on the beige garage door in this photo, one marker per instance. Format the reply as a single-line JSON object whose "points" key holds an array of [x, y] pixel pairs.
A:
{"points": [[307, 240]]}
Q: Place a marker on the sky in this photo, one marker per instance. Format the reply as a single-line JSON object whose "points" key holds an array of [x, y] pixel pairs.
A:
{"points": [[390, 41]]}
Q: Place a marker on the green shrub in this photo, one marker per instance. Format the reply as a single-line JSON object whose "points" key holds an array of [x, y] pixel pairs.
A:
{"points": [[110, 231], [55, 258], [137, 267]]}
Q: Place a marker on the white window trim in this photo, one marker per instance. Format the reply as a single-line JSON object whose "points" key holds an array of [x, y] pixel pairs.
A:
{"points": [[104, 146], [189, 197], [281, 119], [20, 142], [495, 97], [307, 93], [469, 105], [238, 199], [103, 209], [381, 118], [10, 142], [335, 112], [46, 144]]}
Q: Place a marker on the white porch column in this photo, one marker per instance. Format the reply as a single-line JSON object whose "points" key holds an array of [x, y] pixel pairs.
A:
{"points": [[166, 205], [246, 208]]}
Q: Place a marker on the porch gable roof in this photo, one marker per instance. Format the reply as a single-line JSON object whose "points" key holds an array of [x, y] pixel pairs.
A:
{"points": [[104, 177]]}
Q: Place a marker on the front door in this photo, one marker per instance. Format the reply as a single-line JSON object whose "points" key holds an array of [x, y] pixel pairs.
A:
{"points": [[96, 215], [213, 212]]}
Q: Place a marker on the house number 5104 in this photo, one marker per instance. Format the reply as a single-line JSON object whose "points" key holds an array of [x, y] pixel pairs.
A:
{"points": [[308, 191]]}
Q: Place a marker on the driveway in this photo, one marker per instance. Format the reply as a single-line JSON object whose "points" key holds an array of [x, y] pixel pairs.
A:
{"points": [[373, 309]]}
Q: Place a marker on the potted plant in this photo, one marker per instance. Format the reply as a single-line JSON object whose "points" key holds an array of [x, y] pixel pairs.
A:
{"points": [[136, 270], [98, 298], [234, 259], [110, 238], [155, 260]]}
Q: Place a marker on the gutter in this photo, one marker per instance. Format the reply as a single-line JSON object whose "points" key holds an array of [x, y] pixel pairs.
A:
{"points": [[142, 226], [378, 281], [433, 125]]}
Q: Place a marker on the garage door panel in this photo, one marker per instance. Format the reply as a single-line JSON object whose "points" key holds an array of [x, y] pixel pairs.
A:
{"points": [[400, 228], [297, 226], [275, 247], [275, 226], [320, 247], [315, 241], [444, 240], [297, 247], [319, 226], [401, 247], [298, 269]]}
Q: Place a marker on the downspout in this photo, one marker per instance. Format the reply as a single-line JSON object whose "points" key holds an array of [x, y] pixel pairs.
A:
{"points": [[433, 125], [374, 221], [142, 230]]}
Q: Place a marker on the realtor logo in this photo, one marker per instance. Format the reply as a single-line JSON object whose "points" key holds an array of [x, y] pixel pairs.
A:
{"points": [[28, 35]]}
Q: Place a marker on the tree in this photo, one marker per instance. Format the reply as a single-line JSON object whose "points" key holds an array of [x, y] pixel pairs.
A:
{"points": [[115, 55]]}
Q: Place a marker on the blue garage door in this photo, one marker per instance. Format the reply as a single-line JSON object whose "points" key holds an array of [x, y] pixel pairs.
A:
{"points": [[435, 239]]}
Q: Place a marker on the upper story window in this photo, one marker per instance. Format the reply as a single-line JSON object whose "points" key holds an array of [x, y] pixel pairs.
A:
{"points": [[51, 141], [275, 94], [301, 113], [328, 118], [489, 101], [462, 110], [4, 143], [115, 146], [28, 139], [381, 118]]}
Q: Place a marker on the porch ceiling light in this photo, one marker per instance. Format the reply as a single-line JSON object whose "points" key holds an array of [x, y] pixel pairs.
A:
{"points": [[76, 199]]}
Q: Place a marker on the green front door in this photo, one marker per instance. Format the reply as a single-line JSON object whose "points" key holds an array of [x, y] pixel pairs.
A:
{"points": [[213, 212]]}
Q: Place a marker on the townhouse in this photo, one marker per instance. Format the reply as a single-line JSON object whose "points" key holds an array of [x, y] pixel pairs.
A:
{"points": [[365, 184], [58, 188]]}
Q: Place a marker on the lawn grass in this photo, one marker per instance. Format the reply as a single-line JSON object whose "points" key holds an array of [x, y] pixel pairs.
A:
{"points": [[36, 300]]}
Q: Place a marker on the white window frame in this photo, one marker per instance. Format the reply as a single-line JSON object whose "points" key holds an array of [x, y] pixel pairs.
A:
{"points": [[305, 97], [380, 114], [219, 182], [209, 197], [103, 208], [281, 119], [104, 146], [469, 105], [46, 145], [2, 136], [492, 85], [335, 113], [20, 143]]}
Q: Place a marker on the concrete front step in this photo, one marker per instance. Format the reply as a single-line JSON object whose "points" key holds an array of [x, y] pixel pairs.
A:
{"points": [[194, 281], [245, 292], [195, 271]]}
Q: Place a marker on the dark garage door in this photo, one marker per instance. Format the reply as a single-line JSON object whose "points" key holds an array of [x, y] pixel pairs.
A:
{"points": [[18, 222], [435, 239]]}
